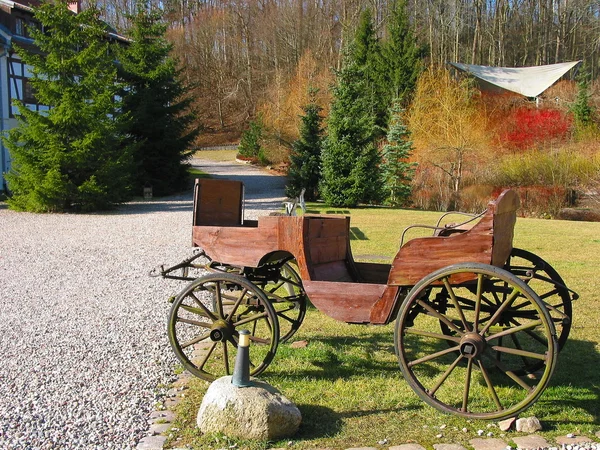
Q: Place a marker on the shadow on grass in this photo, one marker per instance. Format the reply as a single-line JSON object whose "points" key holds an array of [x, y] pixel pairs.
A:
{"points": [[321, 422], [357, 235], [576, 381], [334, 362], [318, 422]]}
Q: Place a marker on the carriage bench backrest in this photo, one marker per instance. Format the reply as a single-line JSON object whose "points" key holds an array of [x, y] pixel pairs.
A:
{"points": [[218, 202], [489, 241]]}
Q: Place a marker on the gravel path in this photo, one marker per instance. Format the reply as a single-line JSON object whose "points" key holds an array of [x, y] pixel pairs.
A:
{"points": [[82, 327]]}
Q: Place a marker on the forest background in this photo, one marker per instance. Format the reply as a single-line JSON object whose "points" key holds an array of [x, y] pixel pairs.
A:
{"points": [[247, 59]]}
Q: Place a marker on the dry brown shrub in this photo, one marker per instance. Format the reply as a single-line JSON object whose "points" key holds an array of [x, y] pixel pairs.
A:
{"points": [[284, 104]]}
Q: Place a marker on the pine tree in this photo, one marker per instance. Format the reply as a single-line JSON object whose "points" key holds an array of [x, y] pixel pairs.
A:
{"points": [[250, 142], [305, 159], [70, 156], [401, 54], [397, 171], [350, 160], [156, 102]]}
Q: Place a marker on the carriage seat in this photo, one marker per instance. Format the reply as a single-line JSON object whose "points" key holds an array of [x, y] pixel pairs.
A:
{"points": [[489, 241]]}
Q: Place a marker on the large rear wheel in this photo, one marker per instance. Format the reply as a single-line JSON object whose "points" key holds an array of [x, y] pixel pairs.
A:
{"points": [[496, 324], [548, 285]]}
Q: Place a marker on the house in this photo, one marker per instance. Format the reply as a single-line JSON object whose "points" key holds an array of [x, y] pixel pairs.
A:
{"points": [[15, 18]]}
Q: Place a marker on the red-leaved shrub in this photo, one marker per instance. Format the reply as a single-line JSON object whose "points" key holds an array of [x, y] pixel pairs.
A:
{"points": [[527, 127]]}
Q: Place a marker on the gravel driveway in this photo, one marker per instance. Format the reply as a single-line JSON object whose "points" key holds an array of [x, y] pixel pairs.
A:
{"points": [[82, 327]]}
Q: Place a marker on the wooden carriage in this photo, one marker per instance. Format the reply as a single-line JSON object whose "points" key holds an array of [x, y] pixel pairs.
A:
{"points": [[464, 300]]}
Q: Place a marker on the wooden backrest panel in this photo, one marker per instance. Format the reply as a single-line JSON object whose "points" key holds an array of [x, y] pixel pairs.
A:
{"points": [[327, 244], [218, 202], [505, 217]]}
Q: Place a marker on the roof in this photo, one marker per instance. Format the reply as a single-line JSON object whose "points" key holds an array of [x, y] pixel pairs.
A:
{"points": [[527, 81]]}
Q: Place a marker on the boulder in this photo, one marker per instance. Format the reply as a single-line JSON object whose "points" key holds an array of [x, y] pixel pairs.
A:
{"points": [[529, 424], [254, 412]]}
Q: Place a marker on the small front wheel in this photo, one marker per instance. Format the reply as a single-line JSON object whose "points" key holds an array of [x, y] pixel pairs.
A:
{"points": [[495, 324], [205, 320]]}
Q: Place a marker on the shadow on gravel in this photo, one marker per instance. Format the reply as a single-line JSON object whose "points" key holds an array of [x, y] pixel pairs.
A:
{"points": [[154, 206]]}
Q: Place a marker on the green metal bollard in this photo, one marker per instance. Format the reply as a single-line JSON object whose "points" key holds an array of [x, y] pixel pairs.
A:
{"points": [[241, 369]]}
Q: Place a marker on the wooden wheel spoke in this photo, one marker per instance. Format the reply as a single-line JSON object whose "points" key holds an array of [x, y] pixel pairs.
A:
{"points": [[433, 356], [202, 306], [478, 298], [194, 310], [195, 340], [516, 329], [518, 352], [226, 358], [219, 300], [456, 304], [439, 316], [444, 376], [196, 323], [430, 334], [467, 384], [518, 345], [259, 340], [489, 384], [237, 304], [512, 376], [283, 316], [507, 302], [208, 353]]}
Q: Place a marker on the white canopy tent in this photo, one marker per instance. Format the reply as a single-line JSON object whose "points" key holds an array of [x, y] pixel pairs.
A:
{"points": [[527, 81]]}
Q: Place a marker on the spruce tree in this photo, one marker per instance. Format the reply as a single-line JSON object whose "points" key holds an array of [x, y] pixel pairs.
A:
{"points": [[155, 101], [250, 142], [401, 54], [350, 160], [70, 156], [305, 159], [397, 171]]}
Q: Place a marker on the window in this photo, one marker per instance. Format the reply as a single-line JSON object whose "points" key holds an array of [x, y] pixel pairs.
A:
{"points": [[19, 26]]}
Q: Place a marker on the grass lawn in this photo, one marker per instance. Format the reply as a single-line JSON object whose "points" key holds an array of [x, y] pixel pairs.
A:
{"points": [[347, 383]]}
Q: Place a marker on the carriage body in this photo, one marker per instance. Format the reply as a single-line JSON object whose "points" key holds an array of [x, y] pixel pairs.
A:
{"points": [[459, 298]]}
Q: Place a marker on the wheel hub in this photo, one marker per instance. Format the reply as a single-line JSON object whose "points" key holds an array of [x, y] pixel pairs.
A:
{"points": [[472, 345], [220, 331]]}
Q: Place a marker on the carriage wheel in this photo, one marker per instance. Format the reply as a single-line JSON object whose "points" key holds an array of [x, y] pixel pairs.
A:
{"points": [[205, 321], [467, 378], [548, 285], [288, 299]]}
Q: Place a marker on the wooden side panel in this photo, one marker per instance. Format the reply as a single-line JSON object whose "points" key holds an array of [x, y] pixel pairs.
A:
{"points": [[381, 312], [218, 202], [419, 257], [244, 246], [347, 302]]}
